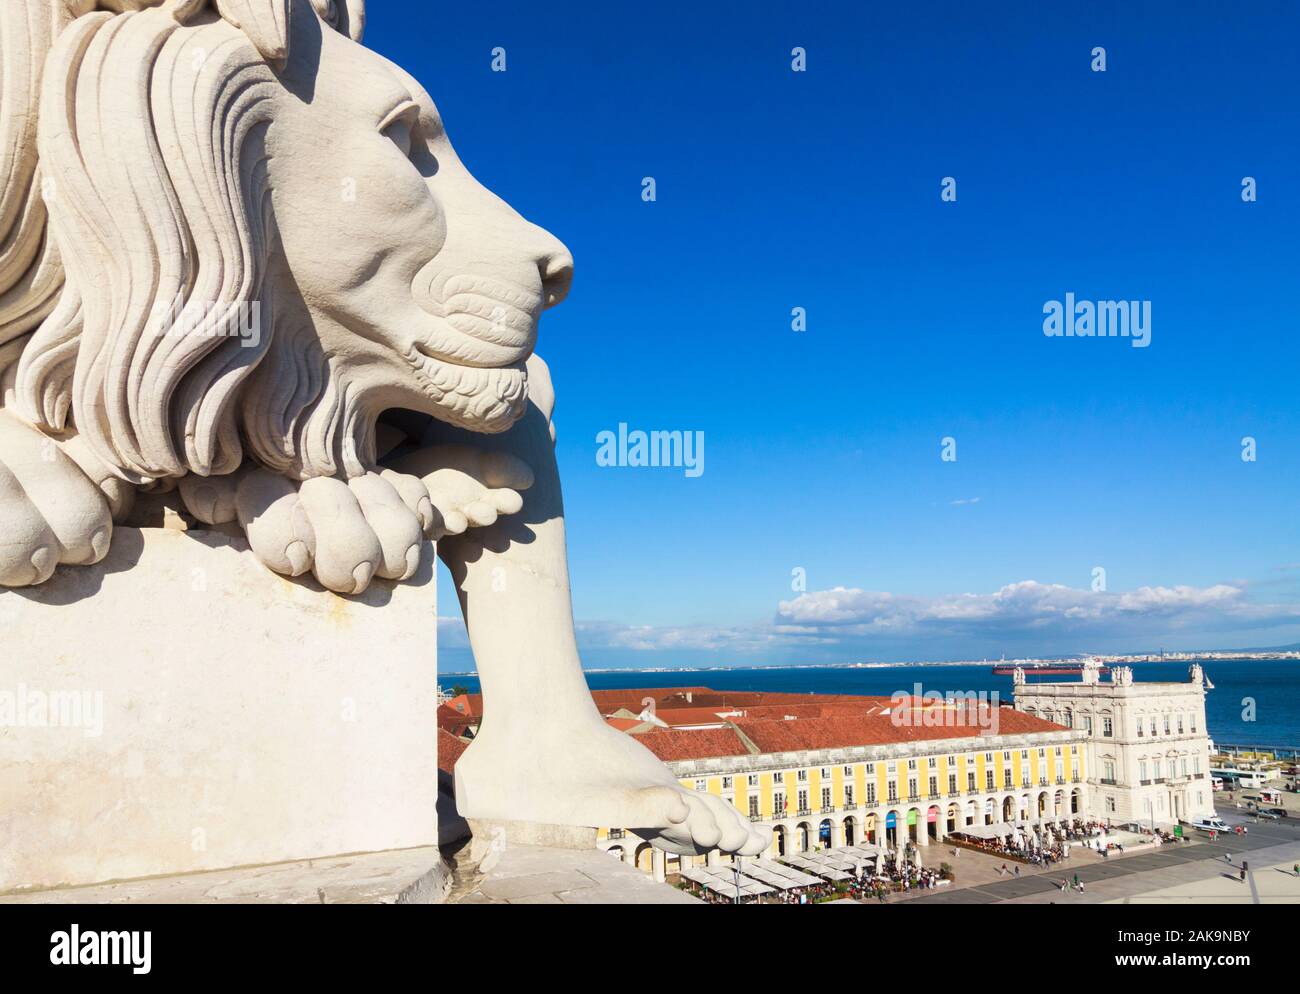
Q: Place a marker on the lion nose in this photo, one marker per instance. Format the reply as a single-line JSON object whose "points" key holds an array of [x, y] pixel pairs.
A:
{"points": [[556, 267]]}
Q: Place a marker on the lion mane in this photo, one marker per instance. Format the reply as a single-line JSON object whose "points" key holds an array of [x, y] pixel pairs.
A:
{"points": [[136, 231]]}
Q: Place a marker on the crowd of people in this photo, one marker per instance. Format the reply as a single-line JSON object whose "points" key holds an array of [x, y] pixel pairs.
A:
{"points": [[894, 878], [1023, 849], [798, 895]]}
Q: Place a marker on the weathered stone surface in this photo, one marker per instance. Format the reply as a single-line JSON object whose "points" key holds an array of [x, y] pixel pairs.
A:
{"points": [[522, 874], [408, 876], [228, 716]]}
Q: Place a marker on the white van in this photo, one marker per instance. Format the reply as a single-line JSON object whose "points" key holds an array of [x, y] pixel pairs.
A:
{"points": [[1214, 824]]}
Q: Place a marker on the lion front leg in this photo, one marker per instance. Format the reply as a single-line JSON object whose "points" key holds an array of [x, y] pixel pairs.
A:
{"points": [[57, 503]]}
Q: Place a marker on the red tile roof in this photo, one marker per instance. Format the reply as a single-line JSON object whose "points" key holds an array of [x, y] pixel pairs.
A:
{"points": [[772, 722], [449, 750], [671, 744], [624, 724], [842, 731]]}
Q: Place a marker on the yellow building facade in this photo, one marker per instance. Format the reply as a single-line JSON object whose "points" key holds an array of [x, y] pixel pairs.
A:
{"points": [[915, 792]]}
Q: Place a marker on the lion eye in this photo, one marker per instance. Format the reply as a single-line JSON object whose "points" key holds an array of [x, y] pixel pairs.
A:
{"points": [[399, 127]]}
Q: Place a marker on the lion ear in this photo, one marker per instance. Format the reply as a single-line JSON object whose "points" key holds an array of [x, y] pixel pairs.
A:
{"points": [[265, 22]]}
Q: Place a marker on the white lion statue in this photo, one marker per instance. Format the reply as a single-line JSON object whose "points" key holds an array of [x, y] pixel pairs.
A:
{"points": [[245, 282]]}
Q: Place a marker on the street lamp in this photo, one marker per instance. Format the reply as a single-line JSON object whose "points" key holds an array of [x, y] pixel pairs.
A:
{"points": [[735, 869]]}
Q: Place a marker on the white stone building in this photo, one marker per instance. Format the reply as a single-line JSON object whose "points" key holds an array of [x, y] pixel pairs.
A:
{"points": [[1148, 756]]}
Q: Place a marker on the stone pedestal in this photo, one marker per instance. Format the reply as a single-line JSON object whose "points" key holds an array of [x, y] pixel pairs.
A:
{"points": [[179, 708]]}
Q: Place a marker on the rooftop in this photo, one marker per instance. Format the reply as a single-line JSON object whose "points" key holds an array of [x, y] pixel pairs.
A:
{"points": [[685, 723]]}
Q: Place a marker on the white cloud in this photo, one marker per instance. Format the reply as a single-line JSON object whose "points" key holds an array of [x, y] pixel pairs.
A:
{"points": [[1030, 606], [1028, 616], [708, 638]]}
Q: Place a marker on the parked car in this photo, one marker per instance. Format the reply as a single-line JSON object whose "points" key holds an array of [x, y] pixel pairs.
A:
{"points": [[1279, 812], [1267, 814]]}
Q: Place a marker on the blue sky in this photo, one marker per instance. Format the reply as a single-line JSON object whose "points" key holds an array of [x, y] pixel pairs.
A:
{"points": [[821, 190]]}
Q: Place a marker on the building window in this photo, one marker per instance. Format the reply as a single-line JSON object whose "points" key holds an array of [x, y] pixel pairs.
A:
{"points": [[934, 786], [1142, 771], [871, 793], [848, 771], [893, 790], [1087, 723], [952, 783], [1193, 721], [970, 781], [871, 769], [803, 776], [1180, 724], [778, 804], [701, 785], [988, 757], [1139, 727], [826, 797], [911, 787], [988, 779], [1156, 766], [1069, 718], [753, 806], [1153, 726], [1110, 805], [932, 762], [1006, 778], [1107, 728], [803, 800], [1166, 724], [826, 773], [848, 793], [1006, 757], [1110, 772], [727, 783], [911, 764], [752, 779]]}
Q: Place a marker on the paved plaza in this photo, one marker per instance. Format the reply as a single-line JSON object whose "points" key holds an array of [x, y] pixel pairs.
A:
{"points": [[1173, 874]]}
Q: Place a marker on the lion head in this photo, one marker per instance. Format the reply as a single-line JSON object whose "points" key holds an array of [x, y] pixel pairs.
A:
{"points": [[259, 240]]}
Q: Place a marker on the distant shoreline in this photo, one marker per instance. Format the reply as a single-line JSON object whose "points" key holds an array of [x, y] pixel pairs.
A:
{"points": [[1027, 663]]}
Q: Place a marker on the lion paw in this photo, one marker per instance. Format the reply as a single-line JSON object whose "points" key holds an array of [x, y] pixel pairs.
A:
{"points": [[51, 512], [468, 487], [347, 533]]}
